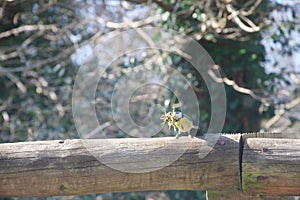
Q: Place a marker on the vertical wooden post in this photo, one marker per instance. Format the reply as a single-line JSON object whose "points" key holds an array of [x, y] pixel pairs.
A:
{"points": [[271, 166]]}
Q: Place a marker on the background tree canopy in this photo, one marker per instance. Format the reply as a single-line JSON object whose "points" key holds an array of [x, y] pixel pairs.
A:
{"points": [[43, 43]]}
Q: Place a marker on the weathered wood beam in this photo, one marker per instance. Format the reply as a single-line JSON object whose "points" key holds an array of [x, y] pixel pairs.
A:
{"points": [[48, 168], [271, 166]]}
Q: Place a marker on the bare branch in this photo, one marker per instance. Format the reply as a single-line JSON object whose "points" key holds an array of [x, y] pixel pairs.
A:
{"points": [[134, 24], [236, 87], [235, 16], [281, 112], [40, 63], [274, 119], [252, 9], [15, 80], [17, 31]]}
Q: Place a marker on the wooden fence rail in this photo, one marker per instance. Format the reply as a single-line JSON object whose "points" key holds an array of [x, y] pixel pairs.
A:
{"points": [[235, 163]]}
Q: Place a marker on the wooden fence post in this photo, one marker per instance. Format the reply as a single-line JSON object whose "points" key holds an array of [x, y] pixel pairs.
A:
{"points": [[48, 168], [59, 168], [271, 166]]}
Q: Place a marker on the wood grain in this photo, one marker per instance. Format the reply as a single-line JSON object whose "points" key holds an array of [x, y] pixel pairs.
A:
{"points": [[48, 168], [271, 166]]}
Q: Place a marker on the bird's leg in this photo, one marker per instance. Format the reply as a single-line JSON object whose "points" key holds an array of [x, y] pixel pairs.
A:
{"points": [[174, 127], [178, 134], [169, 124]]}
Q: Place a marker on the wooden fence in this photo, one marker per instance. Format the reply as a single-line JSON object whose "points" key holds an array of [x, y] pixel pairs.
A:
{"points": [[235, 167]]}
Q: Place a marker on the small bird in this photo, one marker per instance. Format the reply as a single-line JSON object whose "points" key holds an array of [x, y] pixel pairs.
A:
{"points": [[180, 121]]}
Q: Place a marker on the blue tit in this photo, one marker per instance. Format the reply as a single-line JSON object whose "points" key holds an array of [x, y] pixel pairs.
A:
{"points": [[179, 121]]}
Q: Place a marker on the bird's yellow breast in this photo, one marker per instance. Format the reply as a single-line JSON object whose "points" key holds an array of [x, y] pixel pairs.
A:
{"points": [[184, 125]]}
